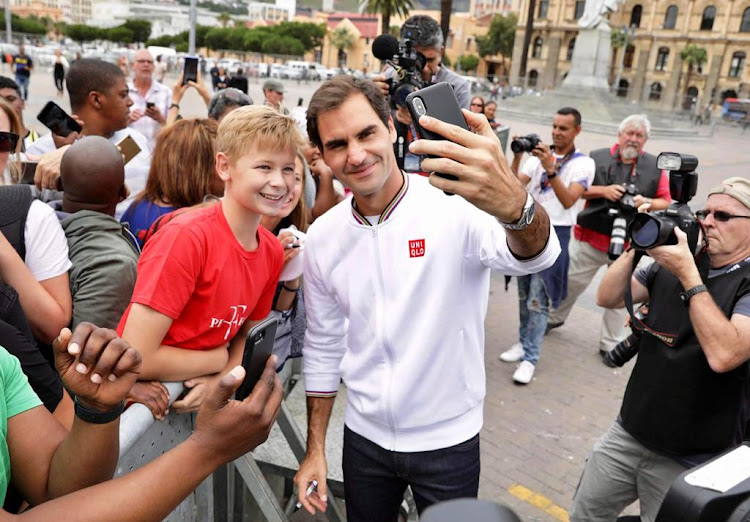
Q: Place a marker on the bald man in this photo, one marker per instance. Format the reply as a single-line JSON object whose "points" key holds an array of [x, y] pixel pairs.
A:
{"points": [[103, 252], [151, 99]]}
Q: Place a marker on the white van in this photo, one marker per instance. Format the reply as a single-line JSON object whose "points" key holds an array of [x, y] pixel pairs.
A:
{"points": [[314, 70]]}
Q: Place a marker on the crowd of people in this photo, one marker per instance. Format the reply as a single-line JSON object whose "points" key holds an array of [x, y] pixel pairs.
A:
{"points": [[145, 247]]}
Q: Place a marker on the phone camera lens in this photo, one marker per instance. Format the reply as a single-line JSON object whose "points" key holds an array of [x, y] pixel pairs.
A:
{"points": [[419, 106]]}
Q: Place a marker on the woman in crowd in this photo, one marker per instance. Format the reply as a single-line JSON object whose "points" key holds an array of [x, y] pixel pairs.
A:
{"points": [[477, 104], [183, 172], [61, 65], [122, 63]]}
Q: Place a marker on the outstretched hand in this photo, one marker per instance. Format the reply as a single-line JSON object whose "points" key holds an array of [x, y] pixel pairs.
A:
{"points": [[96, 365], [476, 158]]}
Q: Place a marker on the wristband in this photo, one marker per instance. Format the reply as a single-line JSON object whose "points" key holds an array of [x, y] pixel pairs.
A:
{"points": [[174, 105], [552, 176], [95, 416], [292, 290], [686, 296]]}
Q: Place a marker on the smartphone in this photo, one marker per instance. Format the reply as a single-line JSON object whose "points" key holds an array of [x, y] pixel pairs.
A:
{"points": [[437, 101], [28, 169], [128, 148], [150, 105], [190, 70], [57, 120], [258, 348]]}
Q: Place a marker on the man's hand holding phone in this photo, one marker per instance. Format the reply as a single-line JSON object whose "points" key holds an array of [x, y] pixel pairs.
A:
{"points": [[476, 158], [155, 114]]}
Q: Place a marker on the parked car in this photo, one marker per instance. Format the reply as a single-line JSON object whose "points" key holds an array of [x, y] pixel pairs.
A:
{"points": [[290, 73], [276, 69]]}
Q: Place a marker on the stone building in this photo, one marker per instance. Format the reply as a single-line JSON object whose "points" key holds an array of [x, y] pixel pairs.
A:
{"points": [[652, 71]]}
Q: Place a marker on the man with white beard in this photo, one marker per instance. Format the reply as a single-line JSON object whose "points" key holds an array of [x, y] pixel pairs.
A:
{"points": [[623, 164]]}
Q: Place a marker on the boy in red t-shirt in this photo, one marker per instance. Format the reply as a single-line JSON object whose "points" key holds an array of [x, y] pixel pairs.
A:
{"points": [[209, 275]]}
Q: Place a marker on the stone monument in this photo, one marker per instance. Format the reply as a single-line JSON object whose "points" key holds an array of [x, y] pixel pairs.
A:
{"points": [[592, 53]]}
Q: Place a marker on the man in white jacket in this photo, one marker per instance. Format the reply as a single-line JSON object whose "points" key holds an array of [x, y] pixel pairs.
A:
{"points": [[396, 288]]}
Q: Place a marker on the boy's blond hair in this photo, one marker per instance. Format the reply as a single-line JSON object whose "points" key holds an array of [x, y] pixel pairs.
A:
{"points": [[256, 126]]}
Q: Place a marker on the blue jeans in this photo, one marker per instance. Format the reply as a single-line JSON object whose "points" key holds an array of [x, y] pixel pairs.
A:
{"points": [[533, 308], [23, 85], [375, 479]]}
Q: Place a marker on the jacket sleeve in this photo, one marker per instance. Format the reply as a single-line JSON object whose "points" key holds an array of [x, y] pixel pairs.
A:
{"points": [[102, 289], [325, 338]]}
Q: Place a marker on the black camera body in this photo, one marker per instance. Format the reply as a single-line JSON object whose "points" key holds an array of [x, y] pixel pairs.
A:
{"points": [[525, 143], [621, 212], [657, 228], [406, 61]]}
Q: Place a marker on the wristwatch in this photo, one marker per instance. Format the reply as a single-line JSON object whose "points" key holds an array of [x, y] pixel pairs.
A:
{"points": [[527, 216], [686, 296]]}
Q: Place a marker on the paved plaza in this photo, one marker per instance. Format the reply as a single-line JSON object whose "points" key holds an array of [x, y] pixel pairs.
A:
{"points": [[536, 437]]}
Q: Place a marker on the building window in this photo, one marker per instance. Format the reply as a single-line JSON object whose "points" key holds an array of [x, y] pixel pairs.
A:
{"points": [[468, 43], [670, 19], [533, 78], [629, 53], [745, 23], [654, 92], [737, 65], [709, 15], [635, 15], [622, 88], [580, 6], [571, 46], [543, 8], [662, 58], [537, 50]]}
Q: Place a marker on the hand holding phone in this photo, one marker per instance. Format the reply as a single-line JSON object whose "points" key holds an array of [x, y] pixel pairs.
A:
{"points": [[258, 348], [190, 70], [57, 120]]}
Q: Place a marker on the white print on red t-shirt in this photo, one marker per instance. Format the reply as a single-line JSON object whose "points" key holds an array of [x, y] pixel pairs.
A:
{"points": [[237, 319]]}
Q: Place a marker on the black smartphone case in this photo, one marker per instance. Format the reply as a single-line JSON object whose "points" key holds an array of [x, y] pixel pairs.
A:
{"points": [[258, 348]]}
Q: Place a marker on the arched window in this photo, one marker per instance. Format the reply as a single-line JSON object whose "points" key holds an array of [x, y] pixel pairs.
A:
{"points": [[654, 92], [709, 15], [571, 46], [533, 78], [580, 6], [729, 93], [622, 88], [737, 65], [543, 8], [670, 19], [629, 53], [745, 23], [635, 15], [690, 98], [536, 52], [662, 58]]}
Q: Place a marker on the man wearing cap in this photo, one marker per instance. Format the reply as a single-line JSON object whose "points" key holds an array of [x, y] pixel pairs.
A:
{"points": [[273, 90], [687, 398]]}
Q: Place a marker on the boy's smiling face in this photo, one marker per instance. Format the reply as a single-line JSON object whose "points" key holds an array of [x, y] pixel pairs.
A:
{"points": [[259, 180]]}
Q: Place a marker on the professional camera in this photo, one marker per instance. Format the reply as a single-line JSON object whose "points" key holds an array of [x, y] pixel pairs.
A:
{"points": [[625, 349], [622, 212], [408, 63], [525, 143], [657, 228]]}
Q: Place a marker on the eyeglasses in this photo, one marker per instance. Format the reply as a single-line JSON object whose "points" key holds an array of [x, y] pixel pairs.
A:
{"points": [[144, 61], [477, 105], [719, 215], [8, 141]]}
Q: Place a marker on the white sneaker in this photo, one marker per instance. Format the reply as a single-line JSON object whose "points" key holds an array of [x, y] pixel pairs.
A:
{"points": [[513, 354], [524, 372]]}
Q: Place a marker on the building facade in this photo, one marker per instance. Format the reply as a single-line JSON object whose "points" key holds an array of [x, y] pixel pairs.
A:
{"points": [[650, 69]]}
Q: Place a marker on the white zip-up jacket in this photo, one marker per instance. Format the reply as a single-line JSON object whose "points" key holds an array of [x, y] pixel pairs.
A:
{"points": [[397, 310]]}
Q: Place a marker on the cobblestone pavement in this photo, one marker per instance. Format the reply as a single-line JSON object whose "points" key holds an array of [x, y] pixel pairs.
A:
{"points": [[536, 437]]}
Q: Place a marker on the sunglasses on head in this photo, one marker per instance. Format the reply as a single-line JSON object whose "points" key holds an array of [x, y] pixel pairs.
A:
{"points": [[8, 141], [719, 215]]}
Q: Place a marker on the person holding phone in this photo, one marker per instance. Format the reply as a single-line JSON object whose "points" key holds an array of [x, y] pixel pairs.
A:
{"points": [[396, 303], [151, 99]]}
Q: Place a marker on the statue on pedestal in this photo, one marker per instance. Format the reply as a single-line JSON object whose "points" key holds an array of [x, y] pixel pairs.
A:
{"points": [[596, 13]]}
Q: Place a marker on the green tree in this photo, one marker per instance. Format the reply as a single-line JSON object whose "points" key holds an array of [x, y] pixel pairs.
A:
{"points": [[468, 62], [310, 35], [388, 8], [82, 33], [224, 19], [342, 39], [278, 44], [217, 38], [499, 38], [120, 34], [141, 29], [694, 57], [253, 40]]}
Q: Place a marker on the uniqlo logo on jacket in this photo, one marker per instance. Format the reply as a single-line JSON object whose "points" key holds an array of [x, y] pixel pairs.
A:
{"points": [[416, 248]]}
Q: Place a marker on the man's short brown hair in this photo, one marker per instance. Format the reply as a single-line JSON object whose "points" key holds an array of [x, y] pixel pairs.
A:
{"points": [[332, 95], [256, 126]]}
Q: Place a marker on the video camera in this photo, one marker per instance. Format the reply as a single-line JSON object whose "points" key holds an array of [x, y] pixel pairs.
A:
{"points": [[657, 228], [622, 212], [408, 63]]}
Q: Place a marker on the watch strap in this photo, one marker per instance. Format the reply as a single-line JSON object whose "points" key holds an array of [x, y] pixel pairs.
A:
{"points": [[527, 216], [686, 296], [96, 416]]}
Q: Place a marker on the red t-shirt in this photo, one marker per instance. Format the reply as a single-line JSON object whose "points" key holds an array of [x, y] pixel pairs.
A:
{"points": [[196, 272]]}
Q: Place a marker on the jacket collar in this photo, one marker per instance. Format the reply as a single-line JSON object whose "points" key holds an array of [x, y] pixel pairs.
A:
{"points": [[390, 207]]}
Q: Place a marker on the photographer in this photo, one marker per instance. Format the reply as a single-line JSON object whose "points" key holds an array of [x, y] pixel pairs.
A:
{"points": [[427, 38], [556, 176], [686, 400], [624, 164]]}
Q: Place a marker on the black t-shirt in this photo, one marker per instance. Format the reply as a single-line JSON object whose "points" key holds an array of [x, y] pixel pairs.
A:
{"points": [[22, 65]]}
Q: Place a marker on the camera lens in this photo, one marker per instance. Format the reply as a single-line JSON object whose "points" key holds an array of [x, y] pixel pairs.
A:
{"points": [[419, 106], [644, 231]]}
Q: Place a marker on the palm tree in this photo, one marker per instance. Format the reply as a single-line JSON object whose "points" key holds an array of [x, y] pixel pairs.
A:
{"points": [[342, 39], [527, 38], [446, 7], [386, 8], [694, 57], [224, 19]]}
